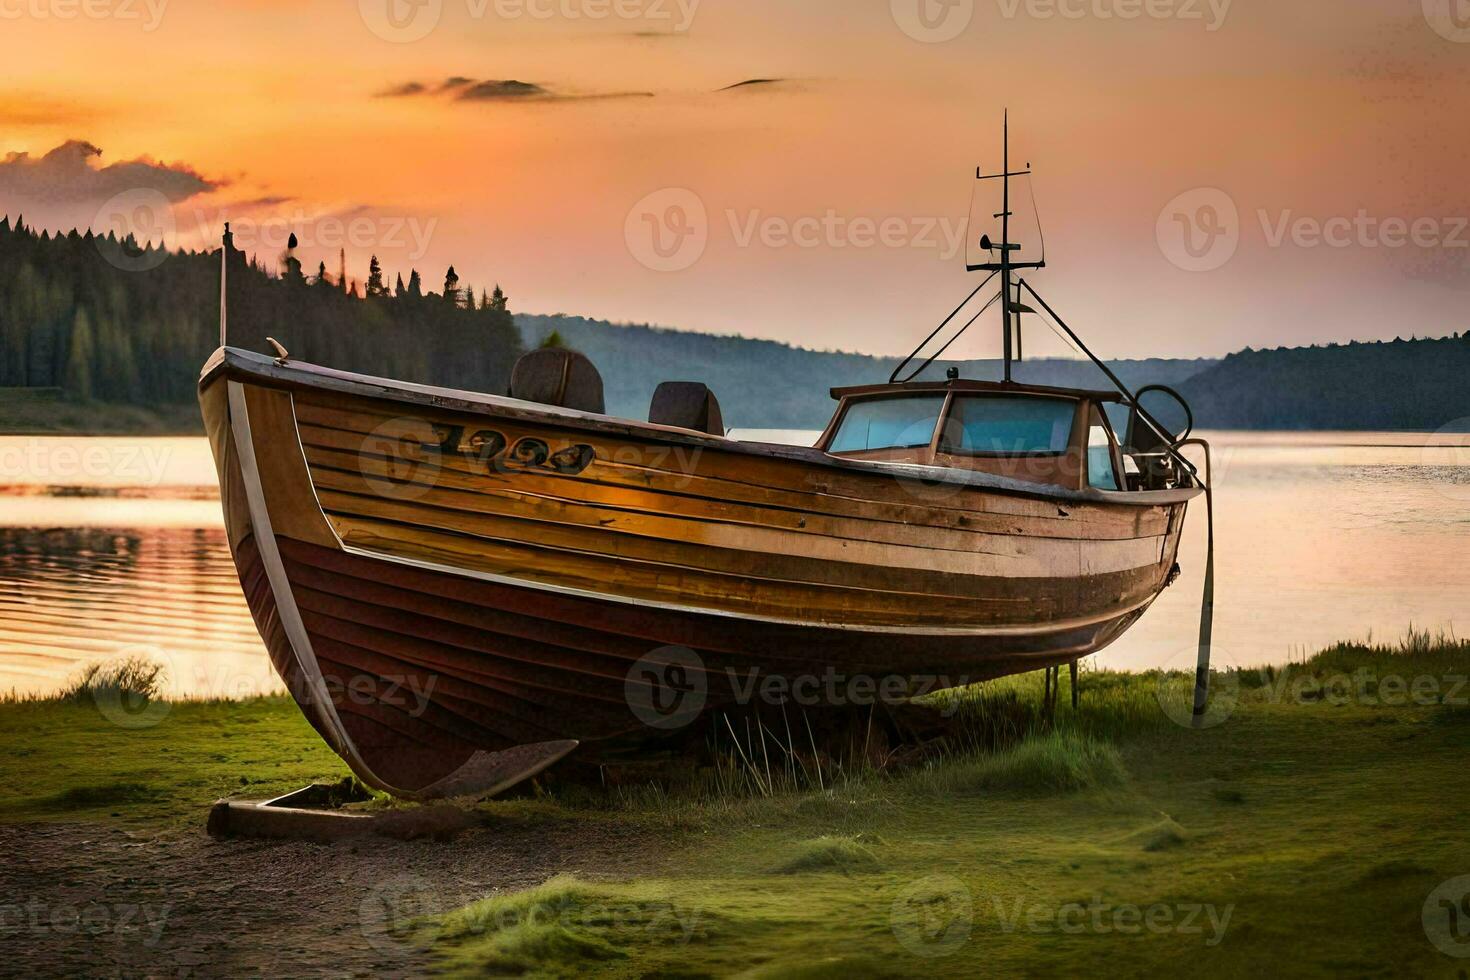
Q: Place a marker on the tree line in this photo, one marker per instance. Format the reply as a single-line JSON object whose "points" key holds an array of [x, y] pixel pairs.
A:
{"points": [[1407, 385], [110, 320]]}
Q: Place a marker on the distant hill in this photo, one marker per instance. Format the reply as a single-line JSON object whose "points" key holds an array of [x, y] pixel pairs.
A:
{"points": [[1401, 384], [100, 335], [763, 384]]}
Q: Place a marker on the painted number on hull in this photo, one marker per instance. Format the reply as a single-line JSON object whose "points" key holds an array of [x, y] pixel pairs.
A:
{"points": [[488, 448]]}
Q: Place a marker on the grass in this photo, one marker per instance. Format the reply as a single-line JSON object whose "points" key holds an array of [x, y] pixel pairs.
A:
{"points": [[1298, 836], [830, 852], [137, 680], [31, 411], [1301, 835], [65, 759], [1051, 762]]}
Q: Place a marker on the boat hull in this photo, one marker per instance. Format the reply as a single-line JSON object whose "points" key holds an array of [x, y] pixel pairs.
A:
{"points": [[439, 577]]}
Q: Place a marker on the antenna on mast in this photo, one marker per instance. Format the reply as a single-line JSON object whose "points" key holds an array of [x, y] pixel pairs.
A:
{"points": [[224, 271], [1005, 267]]}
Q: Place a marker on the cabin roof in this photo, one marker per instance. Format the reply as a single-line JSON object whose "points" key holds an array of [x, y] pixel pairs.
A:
{"points": [[963, 384]]}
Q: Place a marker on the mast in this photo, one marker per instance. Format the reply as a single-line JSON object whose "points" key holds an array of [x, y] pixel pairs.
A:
{"points": [[1005, 267], [224, 274], [1005, 237]]}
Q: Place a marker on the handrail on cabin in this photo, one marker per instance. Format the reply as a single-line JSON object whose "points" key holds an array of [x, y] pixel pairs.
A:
{"points": [[1149, 420]]}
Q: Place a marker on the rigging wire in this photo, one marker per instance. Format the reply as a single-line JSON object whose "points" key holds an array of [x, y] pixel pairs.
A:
{"points": [[969, 323], [893, 378], [1036, 213], [1063, 337], [970, 220]]}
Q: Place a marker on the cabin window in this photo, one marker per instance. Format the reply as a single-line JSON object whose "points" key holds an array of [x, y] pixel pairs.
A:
{"points": [[888, 423], [1009, 426], [1101, 473]]}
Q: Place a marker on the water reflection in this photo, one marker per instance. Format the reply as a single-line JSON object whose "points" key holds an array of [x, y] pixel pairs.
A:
{"points": [[73, 595], [1321, 537]]}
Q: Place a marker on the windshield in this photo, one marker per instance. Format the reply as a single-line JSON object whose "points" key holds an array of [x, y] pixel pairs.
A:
{"points": [[1008, 426], [888, 423]]}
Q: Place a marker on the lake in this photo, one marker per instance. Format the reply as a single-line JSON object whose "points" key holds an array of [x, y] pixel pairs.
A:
{"points": [[113, 547]]}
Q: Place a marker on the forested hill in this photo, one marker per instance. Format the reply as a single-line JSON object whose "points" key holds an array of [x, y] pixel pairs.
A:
{"points": [[768, 385], [1401, 384], [91, 326], [108, 322]]}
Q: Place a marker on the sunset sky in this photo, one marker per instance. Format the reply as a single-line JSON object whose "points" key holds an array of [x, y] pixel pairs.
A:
{"points": [[1142, 118]]}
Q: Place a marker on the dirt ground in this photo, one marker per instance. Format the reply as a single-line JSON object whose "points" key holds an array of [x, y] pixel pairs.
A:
{"points": [[87, 899]]}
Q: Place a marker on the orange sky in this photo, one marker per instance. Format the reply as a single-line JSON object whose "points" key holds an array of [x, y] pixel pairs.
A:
{"points": [[1312, 110]]}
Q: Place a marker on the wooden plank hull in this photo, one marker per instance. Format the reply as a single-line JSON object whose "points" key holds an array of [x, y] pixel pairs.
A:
{"points": [[436, 578]]}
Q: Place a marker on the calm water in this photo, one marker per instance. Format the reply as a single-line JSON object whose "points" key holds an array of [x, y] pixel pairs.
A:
{"points": [[112, 547]]}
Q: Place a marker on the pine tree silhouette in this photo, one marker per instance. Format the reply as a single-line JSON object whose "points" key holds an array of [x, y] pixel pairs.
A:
{"points": [[375, 286]]}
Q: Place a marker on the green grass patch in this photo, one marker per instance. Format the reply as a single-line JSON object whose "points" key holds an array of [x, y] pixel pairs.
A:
{"points": [[830, 852], [71, 759], [1056, 762], [1300, 836], [132, 680], [1312, 828], [564, 927]]}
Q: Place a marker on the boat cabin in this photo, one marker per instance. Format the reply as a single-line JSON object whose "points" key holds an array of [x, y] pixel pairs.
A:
{"points": [[1056, 436]]}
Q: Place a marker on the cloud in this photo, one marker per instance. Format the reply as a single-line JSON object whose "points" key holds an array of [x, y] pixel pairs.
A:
{"points": [[753, 83], [506, 89], [402, 91], [460, 88], [69, 175]]}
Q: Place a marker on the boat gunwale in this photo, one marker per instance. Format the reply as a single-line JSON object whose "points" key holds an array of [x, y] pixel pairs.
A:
{"points": [[236, 363]]}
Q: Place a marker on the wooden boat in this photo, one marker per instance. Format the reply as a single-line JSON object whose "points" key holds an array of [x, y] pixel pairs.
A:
{"points": [[442, 577]]}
